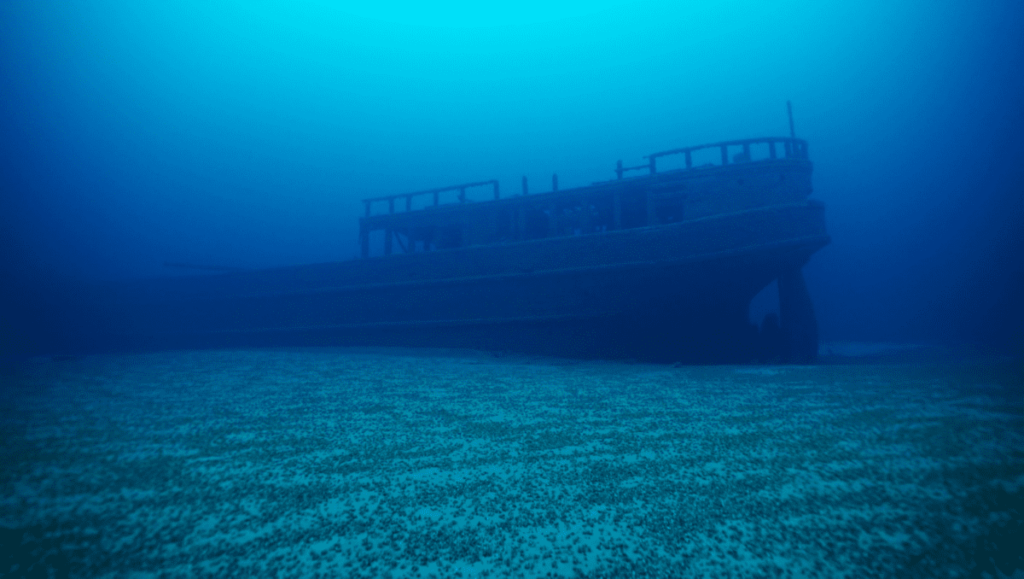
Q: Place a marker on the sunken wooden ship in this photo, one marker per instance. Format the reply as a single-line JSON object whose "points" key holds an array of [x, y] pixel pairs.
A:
{"points": [[658, 263]]}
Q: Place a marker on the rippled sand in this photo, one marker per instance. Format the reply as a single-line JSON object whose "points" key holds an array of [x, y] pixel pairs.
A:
{"points": [[357, 463]]}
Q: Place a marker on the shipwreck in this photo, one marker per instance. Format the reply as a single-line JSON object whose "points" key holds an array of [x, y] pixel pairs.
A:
{"points": [[660, 262]]}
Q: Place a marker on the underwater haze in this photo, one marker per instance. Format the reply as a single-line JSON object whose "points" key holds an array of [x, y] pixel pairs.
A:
{"points": [[151, 425], [244, 134]]}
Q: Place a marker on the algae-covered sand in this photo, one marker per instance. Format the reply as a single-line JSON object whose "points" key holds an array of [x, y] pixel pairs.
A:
{"points": [[359, 463]]}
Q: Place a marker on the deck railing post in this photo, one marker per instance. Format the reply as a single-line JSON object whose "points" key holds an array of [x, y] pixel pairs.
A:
{"points": [[437, 198], [462, 195], [554, 181], [689, 160], [618, 169], [408, 202], [526, 189], [653, 164], [364, 238], [497, 190], [771, 149], [725, 154], [746, 152]]}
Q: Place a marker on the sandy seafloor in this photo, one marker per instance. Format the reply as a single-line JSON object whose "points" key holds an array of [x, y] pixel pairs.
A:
{"points": [[392, 463]]}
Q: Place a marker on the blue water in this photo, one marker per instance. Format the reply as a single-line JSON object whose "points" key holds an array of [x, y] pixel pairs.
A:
{"points": [[243, 134]]}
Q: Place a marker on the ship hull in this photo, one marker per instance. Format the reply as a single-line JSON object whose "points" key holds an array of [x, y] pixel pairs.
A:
{"points": [[677, 292]]}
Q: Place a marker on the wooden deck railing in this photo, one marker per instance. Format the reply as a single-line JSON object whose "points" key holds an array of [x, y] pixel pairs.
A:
{"points": [[729, 152], [461, 188], [791, 149]]}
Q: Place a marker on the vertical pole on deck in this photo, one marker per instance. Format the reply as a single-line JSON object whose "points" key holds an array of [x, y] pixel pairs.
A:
{"points": [[526, 189], [618, 168], [554, 181]]}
